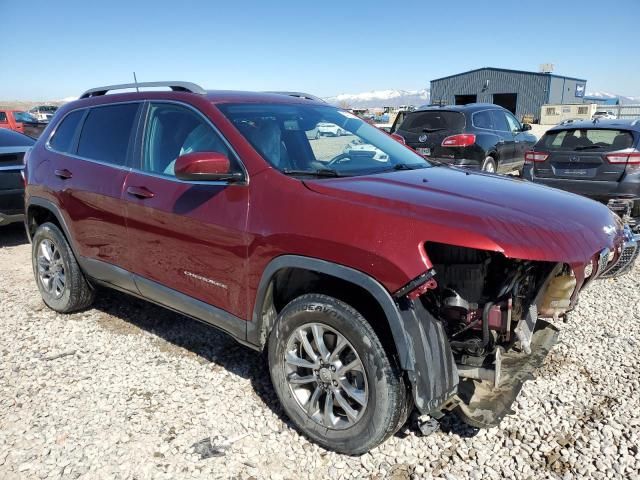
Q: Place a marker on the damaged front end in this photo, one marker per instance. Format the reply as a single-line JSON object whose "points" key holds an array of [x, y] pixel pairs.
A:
{"points": [[475, 325]]}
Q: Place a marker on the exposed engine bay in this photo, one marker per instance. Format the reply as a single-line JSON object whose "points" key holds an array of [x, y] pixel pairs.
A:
{"points": [[490, 307]]}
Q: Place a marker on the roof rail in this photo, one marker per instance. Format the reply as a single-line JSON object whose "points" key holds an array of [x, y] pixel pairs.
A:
{"points": [[175, 86], [307, 96]]}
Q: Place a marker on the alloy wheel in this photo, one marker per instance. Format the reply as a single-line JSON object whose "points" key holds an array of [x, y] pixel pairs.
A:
{"points": [[51, 272], [326, 376]]}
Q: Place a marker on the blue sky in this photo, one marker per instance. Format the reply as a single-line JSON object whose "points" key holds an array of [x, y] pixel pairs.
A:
{"points": [[55, 49]]}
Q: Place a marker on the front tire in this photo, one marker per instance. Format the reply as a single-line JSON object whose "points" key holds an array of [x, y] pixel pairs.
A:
{"points": [[58, 275], [333, 377]]}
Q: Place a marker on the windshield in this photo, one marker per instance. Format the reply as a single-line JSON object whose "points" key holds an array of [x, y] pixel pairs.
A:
{"points": [[587, 139], [319, 140]]}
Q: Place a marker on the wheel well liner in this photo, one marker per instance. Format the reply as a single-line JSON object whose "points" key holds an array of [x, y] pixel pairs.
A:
{"points": [[265, 312]]}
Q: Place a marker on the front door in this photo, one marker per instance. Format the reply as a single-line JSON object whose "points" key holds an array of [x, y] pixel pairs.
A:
{"points": [[187, 237]]}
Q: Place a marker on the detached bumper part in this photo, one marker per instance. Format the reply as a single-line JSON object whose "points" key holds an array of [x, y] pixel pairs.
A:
{"points": [[627, 257], [484, 405]]}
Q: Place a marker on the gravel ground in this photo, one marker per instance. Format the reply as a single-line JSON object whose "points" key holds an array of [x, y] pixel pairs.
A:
{"points": [[127, 390]]}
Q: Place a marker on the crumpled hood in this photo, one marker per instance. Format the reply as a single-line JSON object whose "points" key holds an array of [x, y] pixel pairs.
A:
{"points": [[490, 212]]}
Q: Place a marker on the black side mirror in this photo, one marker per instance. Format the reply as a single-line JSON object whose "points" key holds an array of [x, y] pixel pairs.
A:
{"points": [[525, 127]]}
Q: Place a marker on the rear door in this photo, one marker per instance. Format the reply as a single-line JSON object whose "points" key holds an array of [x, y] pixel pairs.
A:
{"points": [[425, 130], [88, 158], [185, 237], [505, 145]]}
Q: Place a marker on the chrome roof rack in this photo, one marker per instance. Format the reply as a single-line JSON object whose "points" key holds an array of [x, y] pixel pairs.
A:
{"points": [[307, 96], [175, 86]]}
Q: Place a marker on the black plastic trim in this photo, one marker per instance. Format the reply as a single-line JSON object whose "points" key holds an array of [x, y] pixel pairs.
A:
{"points": [[258, 328]]}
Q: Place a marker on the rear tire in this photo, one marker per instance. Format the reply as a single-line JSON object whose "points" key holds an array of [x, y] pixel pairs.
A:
{"points": [[61, 282], [489, 165], [313, 396]]}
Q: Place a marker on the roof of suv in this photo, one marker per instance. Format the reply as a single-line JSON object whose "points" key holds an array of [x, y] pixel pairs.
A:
{"points": [[469, 107], [600, 123]]}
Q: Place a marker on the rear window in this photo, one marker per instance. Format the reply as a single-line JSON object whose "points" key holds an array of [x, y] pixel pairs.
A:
{"points": [[432, 121], [65, 131], [106, 133], [587, 139]]}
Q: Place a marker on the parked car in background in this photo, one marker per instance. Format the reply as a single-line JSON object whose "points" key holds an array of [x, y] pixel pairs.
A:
{"points": [[358, 147], [22, 122], [478, 136], [13, 146], [8, 121], [31, 126], [330, 129], [384, 285], [604, 115], [44, 112], [600, 160]]}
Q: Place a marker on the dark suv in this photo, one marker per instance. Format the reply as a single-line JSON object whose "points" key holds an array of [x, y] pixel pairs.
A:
{"points": [[599, 159], [13, 146], [478, 135], [374, 279]]}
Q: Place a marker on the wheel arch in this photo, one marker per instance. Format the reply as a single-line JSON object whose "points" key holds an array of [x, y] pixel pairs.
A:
{"points": [[347, 279], [40, 210]]}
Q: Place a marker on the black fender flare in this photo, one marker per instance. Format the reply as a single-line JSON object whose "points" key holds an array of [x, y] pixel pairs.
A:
{"points": [[55, 211], [259, 327], [421, 343]]}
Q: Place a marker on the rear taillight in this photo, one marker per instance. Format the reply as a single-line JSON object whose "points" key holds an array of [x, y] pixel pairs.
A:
{"points": [[532, 157], [461, 140], [628, 158]]}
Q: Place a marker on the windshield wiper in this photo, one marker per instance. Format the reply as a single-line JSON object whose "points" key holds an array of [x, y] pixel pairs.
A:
{"points": [[320, 172], [588, 147]]}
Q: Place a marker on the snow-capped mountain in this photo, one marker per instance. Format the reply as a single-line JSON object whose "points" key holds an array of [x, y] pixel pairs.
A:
{"points": [[381, 98], [623, 99]]}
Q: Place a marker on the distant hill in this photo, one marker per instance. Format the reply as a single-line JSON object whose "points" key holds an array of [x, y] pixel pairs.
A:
{"points": [[623, 99], [381, 98], [395, 98]]}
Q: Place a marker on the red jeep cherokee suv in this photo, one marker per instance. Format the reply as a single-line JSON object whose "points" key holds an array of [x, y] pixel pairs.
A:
{"points": [[374, 279]]}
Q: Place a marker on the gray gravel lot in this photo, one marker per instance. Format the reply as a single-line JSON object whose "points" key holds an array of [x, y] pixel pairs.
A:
{"points": [[125, 390]]}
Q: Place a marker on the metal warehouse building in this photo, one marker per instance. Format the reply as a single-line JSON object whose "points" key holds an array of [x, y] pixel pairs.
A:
{"points": [[523, 93]]}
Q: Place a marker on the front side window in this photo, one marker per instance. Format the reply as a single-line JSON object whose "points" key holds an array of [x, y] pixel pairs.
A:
{"points": [[24, 117], [514, 125], [173, 130], [64, 135], [318, 140], [106, 133]]}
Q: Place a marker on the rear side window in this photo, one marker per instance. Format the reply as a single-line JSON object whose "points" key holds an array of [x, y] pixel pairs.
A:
{"points": [[587, 139], [483, 120], [106, 133], [3, 117], [65, 132], [432, 121]]}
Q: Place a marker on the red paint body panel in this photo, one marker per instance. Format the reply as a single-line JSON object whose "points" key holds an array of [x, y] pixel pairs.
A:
{"points": [[377, 224]]}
